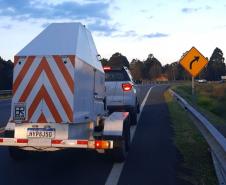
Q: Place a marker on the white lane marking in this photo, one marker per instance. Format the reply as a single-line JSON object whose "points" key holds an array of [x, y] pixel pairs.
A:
{"points": [[133, 128], [117, 167]]}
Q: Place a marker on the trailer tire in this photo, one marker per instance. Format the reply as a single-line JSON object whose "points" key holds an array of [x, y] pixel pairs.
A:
{"points": [[9, 133], [133, 117], [120, 152], [17, 154], [138, 107]]}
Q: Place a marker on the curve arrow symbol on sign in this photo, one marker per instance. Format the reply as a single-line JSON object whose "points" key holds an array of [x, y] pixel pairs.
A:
{"points": [[196, 59]]}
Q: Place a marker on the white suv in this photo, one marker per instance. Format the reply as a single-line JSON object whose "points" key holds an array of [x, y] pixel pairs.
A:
{"points": [[120, 91]]}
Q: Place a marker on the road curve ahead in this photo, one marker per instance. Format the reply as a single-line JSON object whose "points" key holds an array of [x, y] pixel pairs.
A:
{"points": [[153, 157]]}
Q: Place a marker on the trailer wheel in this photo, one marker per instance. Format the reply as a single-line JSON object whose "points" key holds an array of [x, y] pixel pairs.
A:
{"points": [[17, 154], [9, 133], [120, 152], [133, 117], [127, 136], [138, 107]]}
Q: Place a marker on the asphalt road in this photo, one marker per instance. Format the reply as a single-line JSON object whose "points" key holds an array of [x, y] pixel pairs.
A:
{"points": [[151, 160]]}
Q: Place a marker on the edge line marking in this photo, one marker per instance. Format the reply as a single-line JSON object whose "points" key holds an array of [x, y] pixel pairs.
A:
{"points": [[116, 170]]}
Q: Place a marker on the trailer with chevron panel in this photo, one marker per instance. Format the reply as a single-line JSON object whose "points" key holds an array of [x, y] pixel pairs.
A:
{"points": [[59, 97]]}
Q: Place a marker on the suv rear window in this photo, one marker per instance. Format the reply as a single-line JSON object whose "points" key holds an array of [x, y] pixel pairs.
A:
{"points": [[116, 76]]}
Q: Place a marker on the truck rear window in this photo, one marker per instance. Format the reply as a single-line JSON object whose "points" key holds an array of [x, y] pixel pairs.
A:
{"points": [[116, 76]]}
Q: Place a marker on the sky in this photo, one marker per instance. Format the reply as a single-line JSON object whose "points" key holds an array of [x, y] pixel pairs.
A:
{"points": [[135, 28]]}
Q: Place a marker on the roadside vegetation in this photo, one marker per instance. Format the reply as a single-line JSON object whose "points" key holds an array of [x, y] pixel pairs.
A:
{"points": [[3, 97], [148, 70], [210, 99], [195, 166], [6, 74]]}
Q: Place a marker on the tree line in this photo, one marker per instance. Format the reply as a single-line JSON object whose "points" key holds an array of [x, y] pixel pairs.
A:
{"points": [[6, 74], [151, 69]]}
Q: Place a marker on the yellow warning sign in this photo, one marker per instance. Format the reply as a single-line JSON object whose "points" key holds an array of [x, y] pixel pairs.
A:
{"points": [[193, 61]]}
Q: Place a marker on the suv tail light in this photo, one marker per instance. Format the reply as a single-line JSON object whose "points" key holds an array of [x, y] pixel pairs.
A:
{"points": [[127, 87], [107, 68]]}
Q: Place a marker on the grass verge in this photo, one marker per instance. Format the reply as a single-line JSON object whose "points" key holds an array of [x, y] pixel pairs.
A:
{"points": [[2, 97], [210, 99], [196, 167]]}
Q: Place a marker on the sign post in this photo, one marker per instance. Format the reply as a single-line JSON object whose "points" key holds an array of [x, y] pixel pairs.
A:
{"points": [[193, 62], [193, 86]]}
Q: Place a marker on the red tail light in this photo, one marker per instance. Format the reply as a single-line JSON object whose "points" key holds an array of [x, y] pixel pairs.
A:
{"points": [[22, 140], [127, 87], [56, 141], [107, 68], [82, 142]]}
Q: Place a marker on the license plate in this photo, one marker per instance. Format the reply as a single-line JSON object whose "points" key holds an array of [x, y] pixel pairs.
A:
{"points": [[40, 132]]}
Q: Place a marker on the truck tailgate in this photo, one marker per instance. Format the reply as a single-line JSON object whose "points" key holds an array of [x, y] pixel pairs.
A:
{"points": [[114, 93]]}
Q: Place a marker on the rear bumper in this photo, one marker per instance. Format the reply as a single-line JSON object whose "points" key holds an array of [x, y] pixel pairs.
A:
{"points": [[63, 137], [66, 136], [54, 143]]}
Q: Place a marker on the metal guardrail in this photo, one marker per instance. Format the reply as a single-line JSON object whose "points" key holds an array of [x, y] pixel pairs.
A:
{"points": [[214, 138], [5, 92]]}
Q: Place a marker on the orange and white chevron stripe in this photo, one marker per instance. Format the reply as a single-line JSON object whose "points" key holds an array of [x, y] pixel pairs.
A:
{"points": [[46, 85]]}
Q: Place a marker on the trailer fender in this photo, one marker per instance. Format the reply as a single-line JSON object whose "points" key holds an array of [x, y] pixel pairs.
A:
{"points": [[10, 126], [117, 128], [114, 124]]}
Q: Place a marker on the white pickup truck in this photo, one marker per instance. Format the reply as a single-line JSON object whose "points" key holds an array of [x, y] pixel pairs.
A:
{"points": [[58, 97], [121, 93]]}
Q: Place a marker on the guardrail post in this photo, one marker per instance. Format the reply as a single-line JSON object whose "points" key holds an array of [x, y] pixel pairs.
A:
{"points": [[193, 86]]}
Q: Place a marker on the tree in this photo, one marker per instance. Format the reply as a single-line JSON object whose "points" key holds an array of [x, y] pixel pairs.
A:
{"points": [[175, 71], [170, 70], [136, 67], [104, 62], [152, 67], [216, 66], [118, 60], [6, 74], [181, 74]]}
